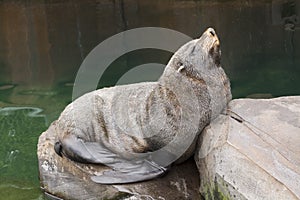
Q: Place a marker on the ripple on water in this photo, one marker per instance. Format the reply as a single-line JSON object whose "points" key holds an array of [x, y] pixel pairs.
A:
{"points": [[20, 191], [6, 87], [38, 92], [32, 111]]}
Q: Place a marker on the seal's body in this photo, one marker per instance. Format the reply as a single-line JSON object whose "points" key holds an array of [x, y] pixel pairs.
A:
{"points": [[140, 129]]}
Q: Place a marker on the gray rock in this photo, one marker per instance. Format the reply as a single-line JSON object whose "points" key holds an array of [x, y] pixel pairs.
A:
{"points": [[253, 152]]}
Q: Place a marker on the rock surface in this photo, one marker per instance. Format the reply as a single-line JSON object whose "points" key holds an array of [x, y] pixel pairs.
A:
{"points": [[253, 152], [65, 179]]}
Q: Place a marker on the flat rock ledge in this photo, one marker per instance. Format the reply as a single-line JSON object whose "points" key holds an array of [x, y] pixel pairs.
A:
{"points": [[253, 152], [61, 178]]}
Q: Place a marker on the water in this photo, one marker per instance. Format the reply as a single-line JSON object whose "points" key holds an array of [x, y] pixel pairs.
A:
{"points": [[43, 43]]}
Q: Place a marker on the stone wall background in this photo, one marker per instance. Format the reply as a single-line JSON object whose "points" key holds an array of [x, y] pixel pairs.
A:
{"points": [[43, 43]]}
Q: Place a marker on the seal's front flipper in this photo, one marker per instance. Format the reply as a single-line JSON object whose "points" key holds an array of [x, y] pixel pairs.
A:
{"points": [[85, 152], [140, 172]]}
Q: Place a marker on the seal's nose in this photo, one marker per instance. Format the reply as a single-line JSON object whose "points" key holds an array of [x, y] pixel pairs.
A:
{"points": [[212, 33]]}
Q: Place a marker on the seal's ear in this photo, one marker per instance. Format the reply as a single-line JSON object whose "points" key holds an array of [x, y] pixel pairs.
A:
{"points": [[180, 68]]}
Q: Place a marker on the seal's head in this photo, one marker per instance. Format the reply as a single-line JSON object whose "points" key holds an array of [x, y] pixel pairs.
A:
{"points": [[201, 54], [199, 60]]}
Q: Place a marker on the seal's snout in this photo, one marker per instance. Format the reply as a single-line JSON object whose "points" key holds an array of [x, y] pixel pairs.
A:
{"points": [[213, 45], [209, 39], [211, 32]]}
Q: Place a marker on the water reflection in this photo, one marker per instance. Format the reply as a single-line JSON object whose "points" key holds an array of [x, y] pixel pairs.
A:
{"points": [[43, 43]]}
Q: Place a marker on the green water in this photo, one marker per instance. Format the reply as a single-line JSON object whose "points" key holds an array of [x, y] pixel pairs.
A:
{"points": [[43, 43], [18, 163], [20, 128]]}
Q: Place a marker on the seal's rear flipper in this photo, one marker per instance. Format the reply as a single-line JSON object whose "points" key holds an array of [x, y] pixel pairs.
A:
{"points": [[141, 172], [141, 168], [84, 152]]}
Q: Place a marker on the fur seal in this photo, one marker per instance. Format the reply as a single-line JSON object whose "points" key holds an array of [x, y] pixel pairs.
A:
{"points": [[138, 130]]}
